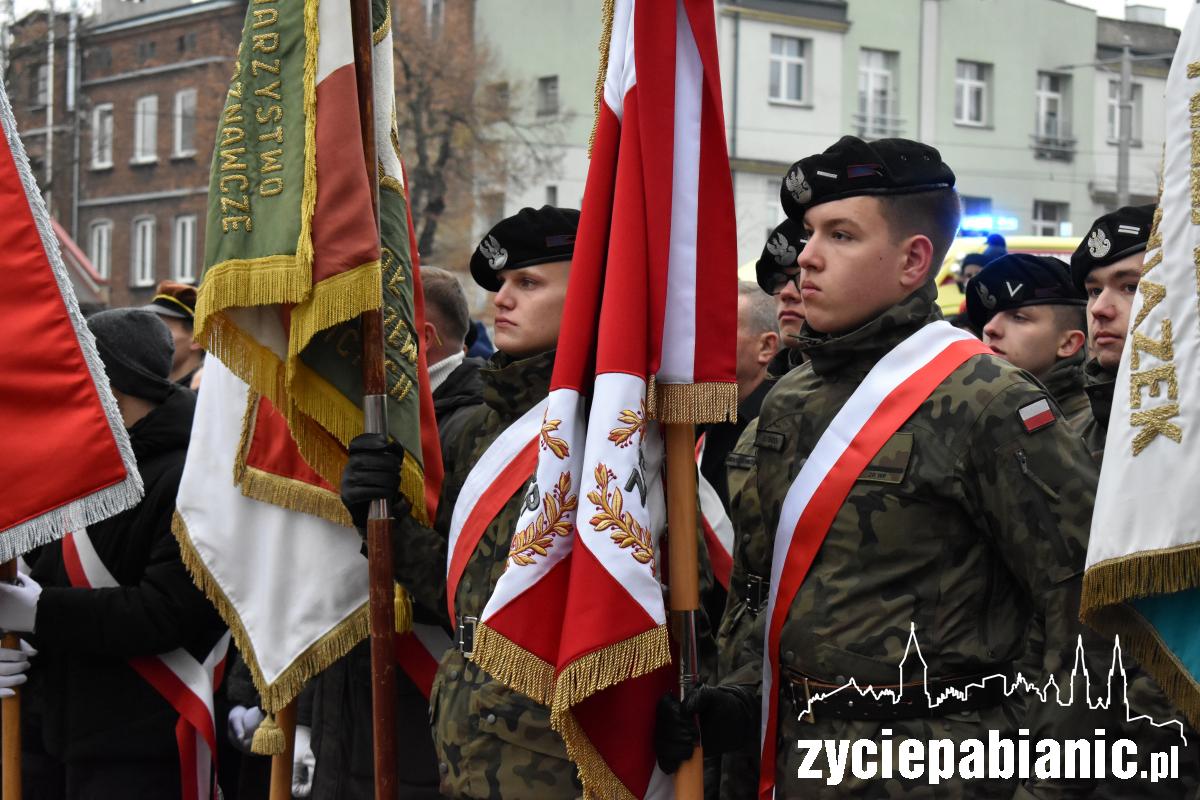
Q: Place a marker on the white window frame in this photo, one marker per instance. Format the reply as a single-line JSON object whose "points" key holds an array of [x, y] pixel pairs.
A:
{"points": [[1051, 106], [178, 150], [141, 254], [780, 88], [965, 86], [877, 75], [41, 85], [102, 136], [1041, 225], [435, 17], [183, 248], [145, 130], [544, 107], [100, 246], [1113, 121]]}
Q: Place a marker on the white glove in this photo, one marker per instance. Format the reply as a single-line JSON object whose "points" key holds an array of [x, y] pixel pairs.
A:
{"points": [[13, 666], [304, 763], [242, 724], [18, 604]]}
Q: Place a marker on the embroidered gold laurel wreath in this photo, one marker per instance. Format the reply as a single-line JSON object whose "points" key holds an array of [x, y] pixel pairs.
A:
{"points": [[635, 423], [626, 531], [553, 443], [535, 540]]}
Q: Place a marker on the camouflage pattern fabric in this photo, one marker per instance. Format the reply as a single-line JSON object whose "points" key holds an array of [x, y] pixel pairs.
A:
{"points": [[969, 526], [1065, 381], [1098, 383], [491, 741]]}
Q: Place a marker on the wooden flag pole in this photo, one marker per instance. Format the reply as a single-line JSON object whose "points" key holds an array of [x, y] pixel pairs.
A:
{"points": [[379, 528], [281, 763], [10, 714], [684, 581]]}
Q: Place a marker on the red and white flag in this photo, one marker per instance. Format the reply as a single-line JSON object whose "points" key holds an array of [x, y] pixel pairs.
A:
{"points": [[65, 459], [577, 621]]}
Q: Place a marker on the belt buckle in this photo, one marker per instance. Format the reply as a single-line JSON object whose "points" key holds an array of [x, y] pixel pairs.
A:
{"points": [[466, 635]]}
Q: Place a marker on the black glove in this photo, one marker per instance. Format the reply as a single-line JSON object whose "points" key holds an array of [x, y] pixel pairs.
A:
{"points": [[675, 733], [373, 472], [727, 716]]}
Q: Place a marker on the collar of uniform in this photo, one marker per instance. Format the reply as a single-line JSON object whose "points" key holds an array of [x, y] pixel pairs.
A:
{"points": [[853, 354], [512, 386], [1099, 384], [1065, 378]]}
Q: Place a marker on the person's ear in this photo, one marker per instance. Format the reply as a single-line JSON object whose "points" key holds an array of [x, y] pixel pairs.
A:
{"points": [[768, 346], [1069, 343], [431, 336], [918, 261]]}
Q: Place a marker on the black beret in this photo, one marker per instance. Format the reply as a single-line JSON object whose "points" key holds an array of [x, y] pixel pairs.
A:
{"points": [[852, 167], [1017, 280], [529, 237], [780, 253], [1111, 238]]}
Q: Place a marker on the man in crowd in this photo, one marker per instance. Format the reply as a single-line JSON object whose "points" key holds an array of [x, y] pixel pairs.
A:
{"points": [[1106, 267], [491, 742], [175, 304], [1032, 315], [112, 732], [968, 523], [453, 376]]}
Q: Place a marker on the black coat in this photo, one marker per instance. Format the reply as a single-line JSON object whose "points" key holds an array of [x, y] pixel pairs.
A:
{"points": [[92, 704]]}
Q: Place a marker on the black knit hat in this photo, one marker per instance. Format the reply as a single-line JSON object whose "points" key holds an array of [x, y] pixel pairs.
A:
{"points": [[1112, 237], [781, 251], [529, 237], [137, 350], [852, 167], [1017, 280]]}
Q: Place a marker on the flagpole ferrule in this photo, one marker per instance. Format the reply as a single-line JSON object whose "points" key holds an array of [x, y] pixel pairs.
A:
{"points": [[684, 624]]}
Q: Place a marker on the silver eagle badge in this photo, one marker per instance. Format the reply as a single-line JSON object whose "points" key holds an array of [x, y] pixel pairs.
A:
{"points": [[797, 186], [496, 255], [779, 247], [1098, 244], [987, 298]]}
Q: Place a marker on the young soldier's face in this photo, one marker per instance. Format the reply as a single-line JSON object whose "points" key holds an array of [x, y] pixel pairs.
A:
{"points": [[1030, 338], [852, 268], [1110, 293], [529, 308]]}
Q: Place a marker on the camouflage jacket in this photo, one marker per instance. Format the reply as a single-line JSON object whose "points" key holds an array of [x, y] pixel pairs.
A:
{"points": [[1064, 381], [1099, 383], [965, 526], [491, 741]]}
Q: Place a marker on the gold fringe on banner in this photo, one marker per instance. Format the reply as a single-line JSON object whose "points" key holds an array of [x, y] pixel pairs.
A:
{"points": [[691, 403], [607, 13], [636, 656], [513, 665], [243, 282], [403, 610], [294, 495], [1154, 572], [334, 301], [268, 738], [599, 781], [384, 28], [318, 657], [1141, 640]]}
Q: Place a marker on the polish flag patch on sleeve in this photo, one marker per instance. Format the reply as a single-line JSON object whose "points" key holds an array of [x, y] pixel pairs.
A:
{"points": [[1036, 415]]}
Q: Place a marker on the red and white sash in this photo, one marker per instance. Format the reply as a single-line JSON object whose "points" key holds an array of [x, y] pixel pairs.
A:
{"points": [[419, 652], [507, 465], [718, 529], [893, 390], [184, 682]]}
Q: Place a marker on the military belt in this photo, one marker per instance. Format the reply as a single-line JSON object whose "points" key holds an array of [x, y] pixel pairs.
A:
{"points": [[959, 693], [466, 635], [756, 591]]}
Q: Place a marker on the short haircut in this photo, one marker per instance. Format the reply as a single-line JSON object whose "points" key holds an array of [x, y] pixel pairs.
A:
{"points": [[934, 214], [444, 294], [1070, 318], [759, 314]]}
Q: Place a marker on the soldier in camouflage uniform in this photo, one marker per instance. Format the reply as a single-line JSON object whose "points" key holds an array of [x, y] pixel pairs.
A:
{"points": [[1106, 267], [1031, 314], [969, 524], [491, 741]]}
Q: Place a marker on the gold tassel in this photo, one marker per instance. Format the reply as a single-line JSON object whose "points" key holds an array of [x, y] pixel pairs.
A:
{"points": [[636, 656], [1137, 575], [404, 610], [268, 738], [692, 403], [606, 30], [511, 664]]}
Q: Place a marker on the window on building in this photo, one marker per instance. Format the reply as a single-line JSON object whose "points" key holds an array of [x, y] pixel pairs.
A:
{"points": [[501, 95], [100, 246], [435, 16], [789, 69], [186, 42], [552, 195], [102, 136], [547, 96], [145, 129], [1051, 106], [146, 50], [183, 249], [1050, 219], [141, 267], [39, 89], [1114, 112], [99, 58], [971, 92], [877, 93], [185, 122]]}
